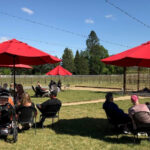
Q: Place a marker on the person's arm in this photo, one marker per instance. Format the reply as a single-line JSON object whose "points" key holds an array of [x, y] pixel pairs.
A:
{"points": [[44, 104], [117, 109]]}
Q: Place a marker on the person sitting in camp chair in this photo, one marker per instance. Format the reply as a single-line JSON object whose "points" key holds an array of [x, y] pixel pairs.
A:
{"points": [[115, 115], [4, 90], [26, 112], [53, 103], [137, 107], [39, 91]]}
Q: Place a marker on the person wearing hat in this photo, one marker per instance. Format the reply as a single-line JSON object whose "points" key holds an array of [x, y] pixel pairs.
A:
{"points": [[137, 107], [52, 101], [116, 115]]}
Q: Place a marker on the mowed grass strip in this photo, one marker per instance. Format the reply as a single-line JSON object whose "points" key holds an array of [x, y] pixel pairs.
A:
{"points": [[69, 96]]}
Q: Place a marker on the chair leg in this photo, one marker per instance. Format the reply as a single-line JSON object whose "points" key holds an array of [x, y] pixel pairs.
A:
{"points": [[35, 124], [52, 121], [58, 115], [134, 138]]}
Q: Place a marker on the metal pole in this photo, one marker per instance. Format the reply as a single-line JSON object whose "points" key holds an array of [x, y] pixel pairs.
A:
{"points": [[14, 71], [124, 80], [138, 79]]}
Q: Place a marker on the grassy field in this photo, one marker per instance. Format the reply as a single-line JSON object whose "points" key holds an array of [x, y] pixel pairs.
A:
{"points": [[82, 127], [69, 96]]}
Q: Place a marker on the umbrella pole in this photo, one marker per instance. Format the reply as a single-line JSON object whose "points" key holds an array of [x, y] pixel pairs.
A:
{"points": [[14, 72], [138, 79], [124, 80]]}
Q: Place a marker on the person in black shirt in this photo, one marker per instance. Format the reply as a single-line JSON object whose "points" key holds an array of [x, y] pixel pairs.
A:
{"points": [[53, 101], [114, 113]]}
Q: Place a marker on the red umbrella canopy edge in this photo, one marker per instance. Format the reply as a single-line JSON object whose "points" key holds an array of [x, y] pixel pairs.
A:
{"points": [[137, 56], [22, 53], [17, 66]]}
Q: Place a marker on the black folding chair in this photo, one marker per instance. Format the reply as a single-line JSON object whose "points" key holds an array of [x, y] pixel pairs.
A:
{"points": [[51, 111], [141, 123], [27, 116]]}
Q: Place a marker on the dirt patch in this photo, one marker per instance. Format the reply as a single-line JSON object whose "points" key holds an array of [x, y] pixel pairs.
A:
{"points": [[100, 100], [93, 89]]}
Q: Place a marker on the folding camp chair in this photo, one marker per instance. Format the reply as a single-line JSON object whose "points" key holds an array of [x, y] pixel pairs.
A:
{"points": [[27, 117], [51, 111], [141, 123]]}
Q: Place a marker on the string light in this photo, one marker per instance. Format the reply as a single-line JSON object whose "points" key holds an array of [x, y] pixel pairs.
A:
{"points": [[127, 14]]}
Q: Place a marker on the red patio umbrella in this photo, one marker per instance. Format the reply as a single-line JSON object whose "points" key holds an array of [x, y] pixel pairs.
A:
{"points": [[14, 52], [59, 71], [17, 52], [17, 66], [137, 56]]}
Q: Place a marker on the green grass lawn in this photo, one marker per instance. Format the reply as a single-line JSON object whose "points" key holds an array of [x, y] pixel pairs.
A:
{"points": [[82, 127]]}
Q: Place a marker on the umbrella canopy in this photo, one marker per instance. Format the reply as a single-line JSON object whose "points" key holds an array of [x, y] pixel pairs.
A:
{"points": [[17, 52], [137, 56], [59, 71], [17, 66], [14, 52]]}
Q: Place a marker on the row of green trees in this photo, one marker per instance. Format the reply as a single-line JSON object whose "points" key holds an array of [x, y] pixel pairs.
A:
{"points": [[88, 61], [84, 62]]}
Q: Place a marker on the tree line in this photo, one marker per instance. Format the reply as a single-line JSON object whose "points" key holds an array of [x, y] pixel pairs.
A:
{"points": [[85, 62]]}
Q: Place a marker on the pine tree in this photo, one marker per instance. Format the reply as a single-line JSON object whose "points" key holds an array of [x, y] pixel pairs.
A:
{"points": [[68, 60], [84, 64], [96, 52], [77, 63]]}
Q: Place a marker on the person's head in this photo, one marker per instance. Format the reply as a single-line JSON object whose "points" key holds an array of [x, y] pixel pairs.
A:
{"points": [[109, 97], [19, 89], [134, 99], [5, 85], [53, 94], [25, 99]]}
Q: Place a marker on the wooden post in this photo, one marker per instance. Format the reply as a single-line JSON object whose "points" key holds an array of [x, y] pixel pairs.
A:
{"points": [[138, 79], [124, 80]]}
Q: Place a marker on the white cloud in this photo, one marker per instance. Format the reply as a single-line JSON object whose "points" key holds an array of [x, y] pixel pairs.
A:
{"points": [[27, 10], [2, 39], [109, 16], [89, 21]]}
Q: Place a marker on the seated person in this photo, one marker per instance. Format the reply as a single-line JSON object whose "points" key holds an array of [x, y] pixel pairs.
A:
{"points": [[53, 86], [50, 84], [11, 89], [6, 110], [52, 101], [4, 91], [137, 107], [25, 102], [19, 93], [59, 84], [40, 89], [116, 115]]}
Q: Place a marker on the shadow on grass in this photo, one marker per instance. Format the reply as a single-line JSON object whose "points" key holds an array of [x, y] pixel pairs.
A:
{"points": [[117, 93], [90, 127]]}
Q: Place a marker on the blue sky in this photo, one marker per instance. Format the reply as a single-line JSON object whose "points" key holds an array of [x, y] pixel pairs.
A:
{"points": [[77, 16]]}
